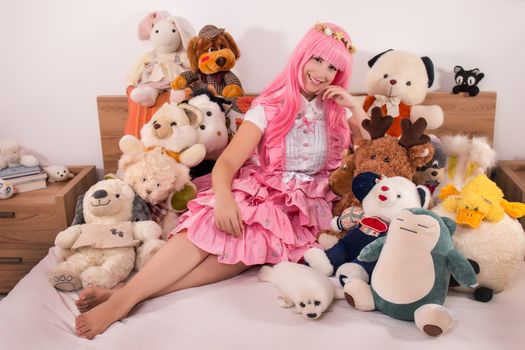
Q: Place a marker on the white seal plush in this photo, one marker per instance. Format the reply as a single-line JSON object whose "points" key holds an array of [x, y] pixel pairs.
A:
{"points": [[302, 287]]}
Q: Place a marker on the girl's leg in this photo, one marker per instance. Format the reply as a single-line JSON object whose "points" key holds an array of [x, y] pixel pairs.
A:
{"points": [[174, 260], [208, 271]]}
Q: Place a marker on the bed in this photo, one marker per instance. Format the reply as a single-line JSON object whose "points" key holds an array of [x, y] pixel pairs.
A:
{"points": [[242, 313]]}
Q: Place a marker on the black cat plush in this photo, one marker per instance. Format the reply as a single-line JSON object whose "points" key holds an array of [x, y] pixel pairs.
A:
{"points": [[467, 80]]}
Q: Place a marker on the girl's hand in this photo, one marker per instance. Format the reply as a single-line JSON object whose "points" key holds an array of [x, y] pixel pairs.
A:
{"points": [[340, 96], [228, 216]]}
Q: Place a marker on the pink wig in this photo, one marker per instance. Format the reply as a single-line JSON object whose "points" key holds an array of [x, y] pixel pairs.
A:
{"points": [[286, 89]]}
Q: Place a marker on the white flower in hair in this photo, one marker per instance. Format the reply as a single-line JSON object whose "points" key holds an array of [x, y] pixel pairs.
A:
{"points": [[328, 31]]}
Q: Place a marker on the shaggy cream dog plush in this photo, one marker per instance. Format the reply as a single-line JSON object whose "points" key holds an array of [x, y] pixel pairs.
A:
{"points": [[302, 287], [102, 251], [11, 155], [161, 182]]}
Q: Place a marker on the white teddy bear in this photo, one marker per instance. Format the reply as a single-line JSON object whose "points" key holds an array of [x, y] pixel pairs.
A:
{"points": [[157, 68], [58, 173], [102, 251], [11, 155], [172, 129]]}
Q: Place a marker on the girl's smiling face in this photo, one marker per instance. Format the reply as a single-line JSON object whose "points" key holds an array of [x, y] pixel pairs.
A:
{"points": [[317, 75]]}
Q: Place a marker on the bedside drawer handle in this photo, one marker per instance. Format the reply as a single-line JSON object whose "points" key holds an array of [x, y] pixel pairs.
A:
{"points": [[10, 260], [7, 214]]}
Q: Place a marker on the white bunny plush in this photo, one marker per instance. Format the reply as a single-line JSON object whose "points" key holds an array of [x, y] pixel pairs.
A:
{"points": [[158, 67]]}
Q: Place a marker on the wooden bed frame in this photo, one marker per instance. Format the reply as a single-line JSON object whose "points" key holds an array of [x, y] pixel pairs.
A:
{"points": [[463, 114]]}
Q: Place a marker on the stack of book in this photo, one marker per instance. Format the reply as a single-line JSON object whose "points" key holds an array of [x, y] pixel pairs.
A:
{"points": [[24, 178]]}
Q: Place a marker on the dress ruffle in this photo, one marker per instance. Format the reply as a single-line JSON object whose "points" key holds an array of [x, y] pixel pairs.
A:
{"points": [[281, 220]]}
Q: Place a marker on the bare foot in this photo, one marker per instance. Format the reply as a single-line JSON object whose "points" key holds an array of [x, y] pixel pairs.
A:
{"points": [[92, 296], [98, 319]]}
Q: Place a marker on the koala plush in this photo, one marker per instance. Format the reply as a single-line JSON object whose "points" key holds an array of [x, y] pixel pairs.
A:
{"points": [[382, 199], [467, 80]]}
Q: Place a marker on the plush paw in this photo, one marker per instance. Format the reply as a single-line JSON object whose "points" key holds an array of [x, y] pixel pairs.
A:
{"points": [[232, 91], [433, 319], [193, 155], [359, 295], [351, 270], [144, 95], [284, 302], [318, 260], [327, 240], [179, 83], [65, 281]]}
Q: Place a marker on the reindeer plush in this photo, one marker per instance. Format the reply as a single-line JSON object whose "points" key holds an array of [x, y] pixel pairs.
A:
{"points": [[384, 154]]}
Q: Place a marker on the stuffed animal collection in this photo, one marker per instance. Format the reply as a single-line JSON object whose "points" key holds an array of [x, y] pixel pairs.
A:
{"points": [[11, 155], [414, 263], [398, 82], [111, 222], [467, 80], [157, 68], [212, 55], [58, 173], [382, 199], [306, 290]]}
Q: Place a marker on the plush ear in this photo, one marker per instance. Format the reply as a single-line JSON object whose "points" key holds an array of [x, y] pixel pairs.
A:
{"points": [[376, 57], [140, 209], [128, 159], [424, 196], [233, 45], [185, 30], [191, 52], [475, 70], [363, 184], [451, 224], [147, 23], [458, 69], [429, 66], [193, 113], [79, 211]]}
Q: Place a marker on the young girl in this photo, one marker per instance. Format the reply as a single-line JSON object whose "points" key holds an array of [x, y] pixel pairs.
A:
{"points": [[267, 210]]}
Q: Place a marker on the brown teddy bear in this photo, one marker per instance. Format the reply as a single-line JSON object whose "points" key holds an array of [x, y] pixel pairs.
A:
{"points": [[384, 154], [212, 54]]}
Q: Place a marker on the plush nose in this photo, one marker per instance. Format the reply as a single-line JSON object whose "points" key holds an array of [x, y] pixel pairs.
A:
{"points": [[434, 173], [311, 315], [393, 81], [384, 188], [156, 126], [148, 191], [100, 194], [221, 61]]}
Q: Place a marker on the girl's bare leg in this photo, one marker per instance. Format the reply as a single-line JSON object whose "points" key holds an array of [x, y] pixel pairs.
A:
{"points": [[174, 260], [208, 271]]}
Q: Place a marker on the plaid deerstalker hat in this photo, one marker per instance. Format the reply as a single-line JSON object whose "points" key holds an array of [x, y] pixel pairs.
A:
{"points": [[210, 31]]}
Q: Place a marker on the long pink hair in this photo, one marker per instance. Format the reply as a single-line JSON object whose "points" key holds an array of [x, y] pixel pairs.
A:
{"points": [[285, 91]]}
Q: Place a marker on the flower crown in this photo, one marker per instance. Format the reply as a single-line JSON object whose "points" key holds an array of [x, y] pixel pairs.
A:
{"points": [[336, 35]]}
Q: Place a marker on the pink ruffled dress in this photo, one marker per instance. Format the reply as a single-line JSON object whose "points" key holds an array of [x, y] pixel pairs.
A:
{"points": [[283, 195]]}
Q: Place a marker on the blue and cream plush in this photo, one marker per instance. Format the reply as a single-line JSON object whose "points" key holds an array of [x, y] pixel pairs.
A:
{"points": [[414, 264], [382, 199]]}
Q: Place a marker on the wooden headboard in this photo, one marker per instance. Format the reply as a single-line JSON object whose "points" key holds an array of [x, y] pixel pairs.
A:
{"points": [[463, 114]]}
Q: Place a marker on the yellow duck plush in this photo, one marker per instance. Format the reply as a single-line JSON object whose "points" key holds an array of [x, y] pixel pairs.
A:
{"points": [[480, 199]]}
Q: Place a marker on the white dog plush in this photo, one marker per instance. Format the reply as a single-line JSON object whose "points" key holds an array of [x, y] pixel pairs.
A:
{"points": [[58, 173], [302, 287]]}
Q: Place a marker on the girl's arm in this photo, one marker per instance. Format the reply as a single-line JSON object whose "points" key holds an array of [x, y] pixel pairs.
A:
{"points": [[227, 214], [345, 99]]}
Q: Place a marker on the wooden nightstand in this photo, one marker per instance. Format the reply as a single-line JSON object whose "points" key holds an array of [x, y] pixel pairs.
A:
{"points": [[30, 221], [510, 177]]}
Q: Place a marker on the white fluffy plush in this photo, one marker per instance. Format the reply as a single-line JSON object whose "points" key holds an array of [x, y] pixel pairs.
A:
{"points": [[102, 251], [11, 155], [58, 173], [171, 128], [6, 189], [302, 287]]}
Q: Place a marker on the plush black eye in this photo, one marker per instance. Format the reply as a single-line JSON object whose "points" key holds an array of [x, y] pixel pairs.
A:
{"points": [[117, 195], [398, 196], [58, 172], [345, 168], [64, 171], [386, 160], [373, 156], [409, 83], [173, 31], [156, 31], [202, 126], [158, 185], [302, 304], [476, 209], [173, 124], [208, 114], [385, 76], [317, 303], [211, 49], [144, 179]]}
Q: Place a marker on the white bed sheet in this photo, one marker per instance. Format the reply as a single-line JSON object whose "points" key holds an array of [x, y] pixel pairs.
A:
{"points": [[242, 313]]}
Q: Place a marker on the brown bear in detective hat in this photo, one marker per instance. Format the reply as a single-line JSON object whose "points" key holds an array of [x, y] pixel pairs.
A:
{"points": [[212, 54]]}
